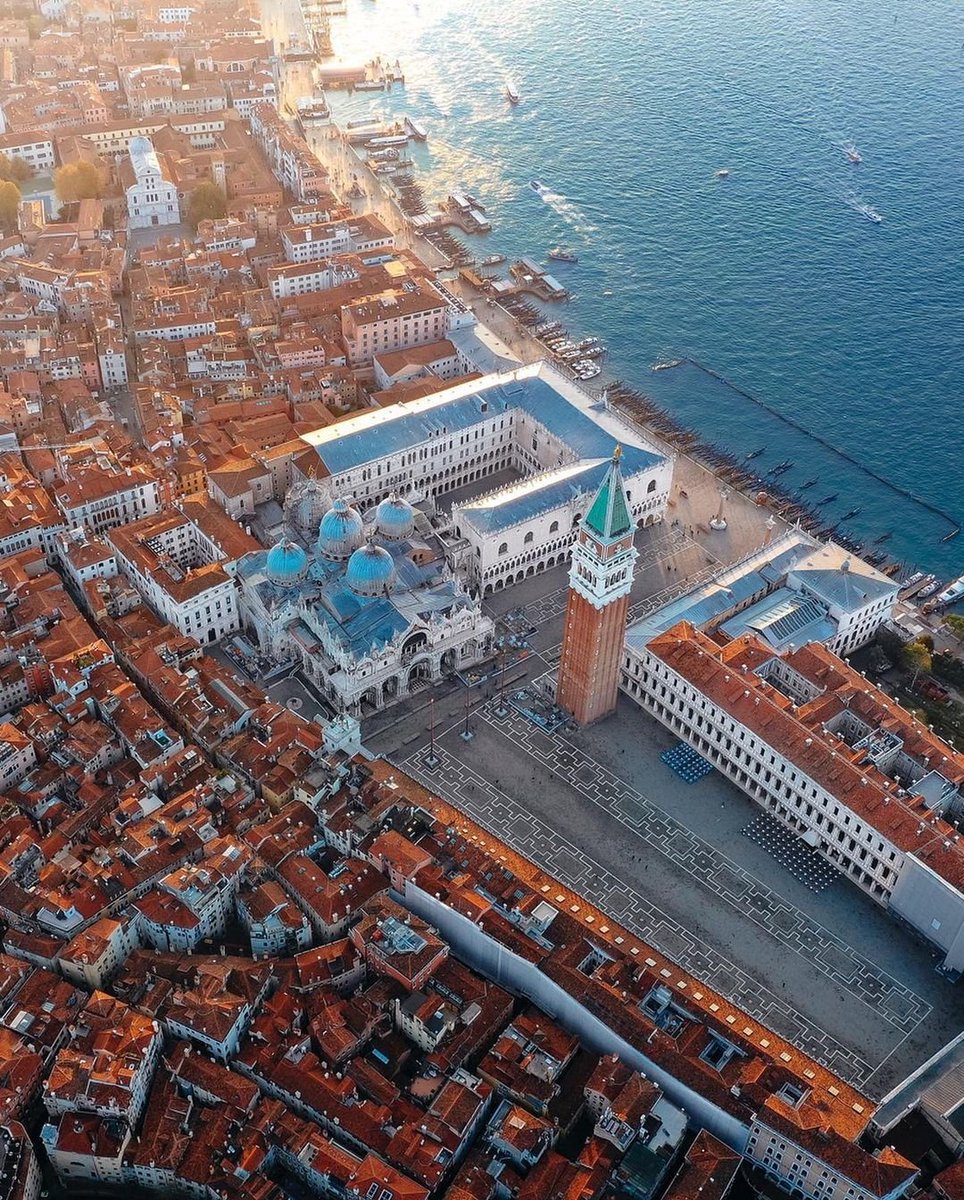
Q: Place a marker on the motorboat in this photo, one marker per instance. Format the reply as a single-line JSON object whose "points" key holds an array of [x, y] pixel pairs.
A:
{"points": [[560, 254], [953, 592]]}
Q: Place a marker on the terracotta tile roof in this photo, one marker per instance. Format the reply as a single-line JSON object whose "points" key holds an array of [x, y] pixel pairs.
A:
{"points": [[770, 1058], [725, 674], [706, 1173]]}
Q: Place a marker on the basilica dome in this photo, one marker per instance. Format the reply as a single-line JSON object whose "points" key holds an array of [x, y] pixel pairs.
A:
{"points": [[370, 571], [341, 531], [395, 518], [286, 563]]}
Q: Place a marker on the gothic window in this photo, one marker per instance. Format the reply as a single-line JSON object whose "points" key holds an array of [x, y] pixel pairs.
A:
{"points": [[554, 527], [527, 540], [652, 486], [504, 548]]}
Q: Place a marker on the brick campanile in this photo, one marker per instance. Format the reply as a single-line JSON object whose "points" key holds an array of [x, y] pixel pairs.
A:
{"points": [[600, 581]]}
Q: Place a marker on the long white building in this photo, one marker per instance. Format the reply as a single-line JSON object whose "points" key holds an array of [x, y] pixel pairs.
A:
{"points": [[533, 420], [837, 761]]}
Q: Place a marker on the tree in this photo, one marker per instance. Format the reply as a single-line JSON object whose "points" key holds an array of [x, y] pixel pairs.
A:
{"points": [[916, 657], [78, 181], [955, 623], [207, 203], [9, 206], [15, 169]]}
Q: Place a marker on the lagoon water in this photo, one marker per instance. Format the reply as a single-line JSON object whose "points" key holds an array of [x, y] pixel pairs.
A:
{"points": [[775, 276]]}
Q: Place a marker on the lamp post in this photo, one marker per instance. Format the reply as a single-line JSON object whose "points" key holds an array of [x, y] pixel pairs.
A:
{"points": [[502, 711], [467, 734], [431, 759]]}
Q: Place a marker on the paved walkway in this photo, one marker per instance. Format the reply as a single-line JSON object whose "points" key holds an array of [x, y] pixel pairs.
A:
{"points": [[574, 815], [508, 820]]}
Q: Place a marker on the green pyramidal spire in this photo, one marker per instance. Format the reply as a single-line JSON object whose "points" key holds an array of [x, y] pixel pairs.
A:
{"points": [[609, 516]]}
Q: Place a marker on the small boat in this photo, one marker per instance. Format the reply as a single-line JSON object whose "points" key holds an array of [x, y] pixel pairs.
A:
{"points": [[667, 366], [781, 467], [926, 592], [416, 129], [493, 260], [538, 186], [560, 254], [854, 512], [949, 537], [884, 537], [853, 155], [808, 484], [755, 453], [382, 143], [953, 592], [828, 499], [511, 94], [723, 173]]}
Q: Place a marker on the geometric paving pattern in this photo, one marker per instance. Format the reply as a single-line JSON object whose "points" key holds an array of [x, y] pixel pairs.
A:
{"points": [[827, 953]]}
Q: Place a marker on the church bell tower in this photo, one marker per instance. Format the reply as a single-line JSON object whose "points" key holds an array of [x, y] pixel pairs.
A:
{"points": [[600, 580]]}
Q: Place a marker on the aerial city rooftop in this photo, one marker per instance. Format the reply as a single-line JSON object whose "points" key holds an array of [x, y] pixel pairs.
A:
{"points": [[417, 779]]}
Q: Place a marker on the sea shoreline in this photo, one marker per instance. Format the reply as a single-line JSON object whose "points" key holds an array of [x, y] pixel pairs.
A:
{"points": [[654, 420]]}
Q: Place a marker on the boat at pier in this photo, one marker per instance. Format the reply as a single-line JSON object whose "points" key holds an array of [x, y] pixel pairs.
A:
{"points": [[854, 512], [314, 110], [753, 453], [809, 484], [781, 467], [827, 499], [930, 589], [560, 254], [366, 132], [493, 260], [389, 155], [383, 143], [953, 592]]}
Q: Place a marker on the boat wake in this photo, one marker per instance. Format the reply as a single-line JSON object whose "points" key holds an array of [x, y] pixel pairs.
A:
{"points": [[867, 211], [570, 212]]}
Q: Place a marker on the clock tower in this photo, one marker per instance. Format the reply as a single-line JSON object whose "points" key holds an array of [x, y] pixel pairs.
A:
{"points": [[600, 580]]}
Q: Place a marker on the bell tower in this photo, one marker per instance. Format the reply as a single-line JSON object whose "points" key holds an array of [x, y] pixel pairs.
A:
{"points": [[600, 580]]}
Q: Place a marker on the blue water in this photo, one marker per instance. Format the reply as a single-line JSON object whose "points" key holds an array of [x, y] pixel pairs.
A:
{"points": [[773, 277]]}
